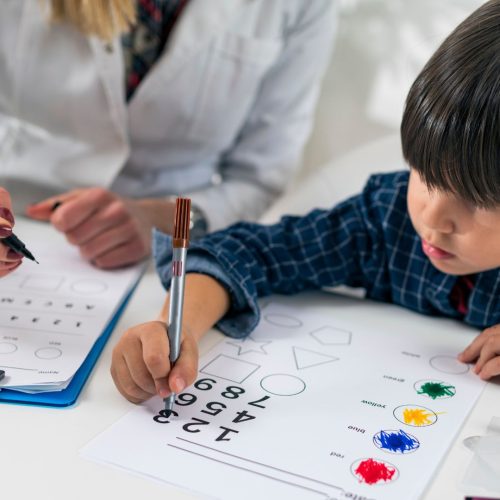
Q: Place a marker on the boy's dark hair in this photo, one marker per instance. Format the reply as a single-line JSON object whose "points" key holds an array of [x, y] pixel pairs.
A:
{"points": [[450, 131]]}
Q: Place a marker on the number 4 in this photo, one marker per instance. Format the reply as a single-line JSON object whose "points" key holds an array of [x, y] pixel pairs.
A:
{"points": [[243, 416]]}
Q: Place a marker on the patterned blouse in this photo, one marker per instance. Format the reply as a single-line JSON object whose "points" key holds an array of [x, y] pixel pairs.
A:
{"points": [[144, 43]]}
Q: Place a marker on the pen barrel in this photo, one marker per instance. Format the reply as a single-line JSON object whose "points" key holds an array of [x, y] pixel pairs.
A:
{"points": [[176, 302]]}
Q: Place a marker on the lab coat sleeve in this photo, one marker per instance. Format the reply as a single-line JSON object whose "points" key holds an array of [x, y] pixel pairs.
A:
{"points": [[267, 152]]}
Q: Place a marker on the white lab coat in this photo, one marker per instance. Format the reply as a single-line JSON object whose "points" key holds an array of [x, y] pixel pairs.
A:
{"points": [[222, 117]]}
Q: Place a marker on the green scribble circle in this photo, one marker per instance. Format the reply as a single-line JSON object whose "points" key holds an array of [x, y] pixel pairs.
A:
{"points": [[435, 389]]}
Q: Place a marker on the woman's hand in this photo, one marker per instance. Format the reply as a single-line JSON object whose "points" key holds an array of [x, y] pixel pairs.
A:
{"points": [[9, 259], [110, 231]]}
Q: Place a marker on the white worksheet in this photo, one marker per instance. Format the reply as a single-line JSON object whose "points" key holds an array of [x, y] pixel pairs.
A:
{"points": [[52, 313], [328, 398]]}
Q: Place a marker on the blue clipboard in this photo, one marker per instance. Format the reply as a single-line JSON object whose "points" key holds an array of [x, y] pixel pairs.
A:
{"points": [[68, 396]]}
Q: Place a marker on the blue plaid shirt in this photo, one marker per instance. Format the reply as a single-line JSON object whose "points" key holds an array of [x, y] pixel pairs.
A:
{"points": [[367, 241]]}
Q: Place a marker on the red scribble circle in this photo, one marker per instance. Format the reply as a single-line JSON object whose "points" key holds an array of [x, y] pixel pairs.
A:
{"points": [[371, 471]]}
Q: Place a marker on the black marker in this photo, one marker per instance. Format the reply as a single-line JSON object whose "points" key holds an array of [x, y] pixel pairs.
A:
{"points": [[18, 246], [2, 374]]}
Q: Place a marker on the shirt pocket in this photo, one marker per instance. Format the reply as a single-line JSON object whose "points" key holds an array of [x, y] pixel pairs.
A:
{"points": [[235, 67]]}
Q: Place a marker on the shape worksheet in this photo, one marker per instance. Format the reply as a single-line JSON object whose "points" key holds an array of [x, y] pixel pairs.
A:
{"points": [[51, 314], [329, 398]]}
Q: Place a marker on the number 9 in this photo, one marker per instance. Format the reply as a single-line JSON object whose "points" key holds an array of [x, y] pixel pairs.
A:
{"points": [[204, 384]]}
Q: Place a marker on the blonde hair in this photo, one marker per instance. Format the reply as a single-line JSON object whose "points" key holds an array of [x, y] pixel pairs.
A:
{"points": [[102, 18]]}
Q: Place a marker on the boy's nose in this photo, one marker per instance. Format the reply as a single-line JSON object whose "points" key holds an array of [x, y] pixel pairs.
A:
{"points": [[438, 216]]}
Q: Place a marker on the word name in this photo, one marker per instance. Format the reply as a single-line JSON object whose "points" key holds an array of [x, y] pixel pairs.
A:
{"points": [[396, 379], [411, 354]]}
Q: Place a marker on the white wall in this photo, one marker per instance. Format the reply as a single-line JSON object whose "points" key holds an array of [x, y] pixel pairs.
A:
{"points": [[381, 46]]}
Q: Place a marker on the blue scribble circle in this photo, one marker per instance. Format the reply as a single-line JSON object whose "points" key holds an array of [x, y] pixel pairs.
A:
{"points": [[396, 441]]}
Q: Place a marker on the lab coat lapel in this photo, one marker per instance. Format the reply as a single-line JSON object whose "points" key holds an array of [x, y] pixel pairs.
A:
{"points": [[109, 60], [197, 26], [202, 21]]}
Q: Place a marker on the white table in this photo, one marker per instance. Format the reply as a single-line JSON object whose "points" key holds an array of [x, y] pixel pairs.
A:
{"points": [[39, 446]]}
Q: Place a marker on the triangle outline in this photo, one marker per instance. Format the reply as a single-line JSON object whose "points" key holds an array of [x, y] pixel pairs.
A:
{"points": [[300, 366]]}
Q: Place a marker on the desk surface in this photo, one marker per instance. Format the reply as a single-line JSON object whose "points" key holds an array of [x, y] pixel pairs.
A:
{"points": [[40, 459]]}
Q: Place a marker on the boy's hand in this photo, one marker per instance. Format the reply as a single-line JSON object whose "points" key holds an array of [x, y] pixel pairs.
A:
{"points": [[486, 350], [140, 365]]}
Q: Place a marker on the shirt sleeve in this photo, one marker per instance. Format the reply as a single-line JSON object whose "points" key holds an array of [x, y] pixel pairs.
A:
{"points": [[267, 152], [343, 246]]}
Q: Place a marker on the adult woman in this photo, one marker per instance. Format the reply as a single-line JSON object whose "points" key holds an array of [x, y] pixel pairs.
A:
{"points": [[221, 112]]}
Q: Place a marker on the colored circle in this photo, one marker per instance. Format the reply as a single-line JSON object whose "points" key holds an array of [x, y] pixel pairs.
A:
{"points": [[448, 364], [283, 320], [435, 389], [48, 353], [415, 415], [281, 384], [396, 441], [88, 287], [374, 471], [7, 347]]}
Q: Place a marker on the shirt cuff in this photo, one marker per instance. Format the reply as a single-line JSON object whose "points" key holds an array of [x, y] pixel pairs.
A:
{"points": [[241, 319]]}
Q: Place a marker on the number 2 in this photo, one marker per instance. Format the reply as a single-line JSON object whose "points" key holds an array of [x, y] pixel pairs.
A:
{"points": [[197, 421]]}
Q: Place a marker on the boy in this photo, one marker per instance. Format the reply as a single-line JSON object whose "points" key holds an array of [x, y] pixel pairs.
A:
{"points": [[427, 240]]}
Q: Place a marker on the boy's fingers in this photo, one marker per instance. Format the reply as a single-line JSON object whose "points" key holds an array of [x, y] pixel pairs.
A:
{"points": [[155, 352], [471, 352], [186, 368], [124, 382], [490, 369], [490, 350], [139, 371]]}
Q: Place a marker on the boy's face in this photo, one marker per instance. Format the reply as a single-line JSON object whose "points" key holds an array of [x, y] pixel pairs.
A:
{"points": [[457, 237]]}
